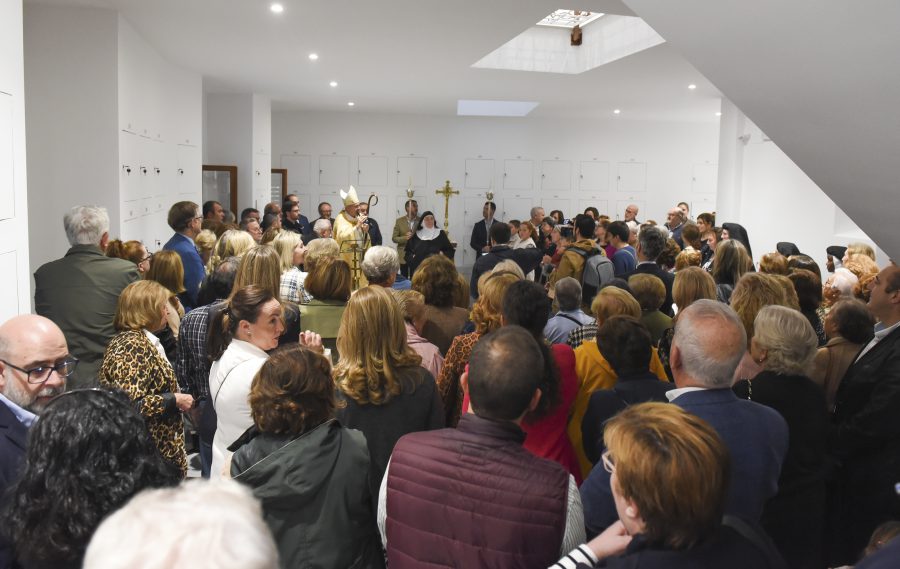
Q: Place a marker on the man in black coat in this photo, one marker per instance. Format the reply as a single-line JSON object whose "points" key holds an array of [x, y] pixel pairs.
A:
{"points": [[374, 230], [481, 232], [527, 259], [650, 245], [294, 220], [865, 433]]}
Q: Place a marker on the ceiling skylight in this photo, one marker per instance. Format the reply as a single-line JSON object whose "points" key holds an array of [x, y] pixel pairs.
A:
{"points": [[569, 18], [467, 107]]}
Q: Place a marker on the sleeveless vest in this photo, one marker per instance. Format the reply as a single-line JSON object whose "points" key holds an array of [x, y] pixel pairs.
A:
{"points": [[473, 497]]}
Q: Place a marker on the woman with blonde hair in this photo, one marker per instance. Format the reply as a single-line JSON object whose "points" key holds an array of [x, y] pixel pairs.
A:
{"points": [[205, 242], [133, 251], [321, 248], [232, 243], [754, 292], [292, 251], [385, 391], [136, 363], [784, 345], [858, 249], [486, 315], [593, 370], [329, 283], [167, 270]]}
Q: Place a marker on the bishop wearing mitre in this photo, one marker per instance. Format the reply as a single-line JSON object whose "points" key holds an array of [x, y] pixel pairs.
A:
{"points": [[349, 228]]}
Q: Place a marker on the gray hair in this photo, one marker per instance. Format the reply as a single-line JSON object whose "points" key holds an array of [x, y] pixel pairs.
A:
{"points": [[568, 293], [380, 264], [788, 338], [652, 241], [86, 224], [224, 519], [535, 210], [320, 226], [844, 281], [711, 340]]}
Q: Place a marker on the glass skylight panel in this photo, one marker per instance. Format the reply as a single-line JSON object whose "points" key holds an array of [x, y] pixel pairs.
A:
{"points": [[569, 18]]}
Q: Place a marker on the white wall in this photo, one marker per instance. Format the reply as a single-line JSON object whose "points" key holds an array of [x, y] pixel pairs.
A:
{"points": [[101, 102], [229, 142], [762, 189], [71, 116], [14, 288], [552, 153]]}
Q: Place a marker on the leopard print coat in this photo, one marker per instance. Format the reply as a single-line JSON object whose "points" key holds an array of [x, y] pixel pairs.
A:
{"points": [[133, 364]]}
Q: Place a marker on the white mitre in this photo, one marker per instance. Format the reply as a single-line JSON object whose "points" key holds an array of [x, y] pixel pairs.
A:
{"points": [[350, 197]]}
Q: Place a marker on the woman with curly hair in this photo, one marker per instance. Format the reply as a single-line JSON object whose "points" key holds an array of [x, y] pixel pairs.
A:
{"points": [[232, 243], [385, 391], [438, 280], [135, 361], [486, 315], [308, 471], [87, 456]]}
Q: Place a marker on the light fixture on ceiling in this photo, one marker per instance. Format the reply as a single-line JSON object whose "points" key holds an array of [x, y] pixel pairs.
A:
{"points": [[617, 111], [692, 86], [718, 113], [313, 56], [276, 8], [333, 84], [569, 18], [351, 104]]}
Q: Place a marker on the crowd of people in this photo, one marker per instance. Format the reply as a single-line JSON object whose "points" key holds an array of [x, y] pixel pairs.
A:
{"points": [[598, 393]]}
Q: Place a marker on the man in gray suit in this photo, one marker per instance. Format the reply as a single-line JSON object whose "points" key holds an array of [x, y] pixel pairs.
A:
{"points": [[79, 292]]}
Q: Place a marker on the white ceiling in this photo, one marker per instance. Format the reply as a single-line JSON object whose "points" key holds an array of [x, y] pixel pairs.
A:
{"points": [[820, 78], [403, 56]]}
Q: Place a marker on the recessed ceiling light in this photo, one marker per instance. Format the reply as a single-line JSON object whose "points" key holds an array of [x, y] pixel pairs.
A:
{"points": [[276, 8], [617, 111], [351, 104], [718, 113], [333, 84], [692, 86], [313, 56]]}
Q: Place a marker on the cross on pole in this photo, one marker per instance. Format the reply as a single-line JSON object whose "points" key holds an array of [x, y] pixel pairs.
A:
{"points": [[446, 192]]}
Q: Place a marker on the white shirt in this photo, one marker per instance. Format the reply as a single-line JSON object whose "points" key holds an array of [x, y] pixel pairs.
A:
{"points": [[156, 343], [24, 416], [673, 394], [880, 334], [229, 385]]}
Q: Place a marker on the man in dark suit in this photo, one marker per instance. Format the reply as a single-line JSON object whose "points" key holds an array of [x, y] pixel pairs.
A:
{"points": [[34, 364], [184, 218], [80, 291], [481, 232], [865, 435], [527, 259], [709, 342], [294, 220], [651, 242]]}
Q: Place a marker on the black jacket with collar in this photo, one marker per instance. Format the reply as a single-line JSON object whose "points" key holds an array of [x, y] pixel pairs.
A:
{"points": [[528, 260]]}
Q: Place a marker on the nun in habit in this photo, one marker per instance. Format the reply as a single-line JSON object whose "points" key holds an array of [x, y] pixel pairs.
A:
{"points": [[427, 241]]}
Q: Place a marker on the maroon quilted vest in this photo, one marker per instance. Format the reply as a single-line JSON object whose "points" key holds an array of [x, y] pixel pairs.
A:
{"points": [[473, 497]]}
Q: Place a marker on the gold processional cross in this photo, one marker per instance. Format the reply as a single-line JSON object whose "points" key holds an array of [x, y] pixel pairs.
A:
{"points": [[446, 192]]}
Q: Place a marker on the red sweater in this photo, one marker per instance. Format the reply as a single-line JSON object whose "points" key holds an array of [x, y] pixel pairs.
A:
{"points": [[547, 437]]}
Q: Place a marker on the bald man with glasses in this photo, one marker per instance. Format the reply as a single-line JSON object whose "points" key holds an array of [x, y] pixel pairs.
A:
{"points": [[34, 365]]}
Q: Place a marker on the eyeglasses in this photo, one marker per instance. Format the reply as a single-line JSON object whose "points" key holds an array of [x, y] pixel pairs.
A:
{"points": [[608, 463], [147, 258], [41, 374]]}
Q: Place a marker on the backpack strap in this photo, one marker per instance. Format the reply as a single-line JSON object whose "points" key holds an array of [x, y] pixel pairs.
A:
{"points": [[567, 317]]}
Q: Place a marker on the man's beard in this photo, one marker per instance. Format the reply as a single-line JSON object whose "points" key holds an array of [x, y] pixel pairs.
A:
{"points": [[33, 402]]}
